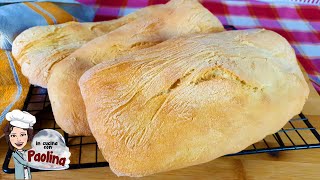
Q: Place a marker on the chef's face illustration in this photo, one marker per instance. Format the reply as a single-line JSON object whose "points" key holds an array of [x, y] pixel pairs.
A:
{"points": [[18, 137]]}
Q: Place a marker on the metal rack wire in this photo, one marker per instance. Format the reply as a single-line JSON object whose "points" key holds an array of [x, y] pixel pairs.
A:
{"points": [[298, 133]]}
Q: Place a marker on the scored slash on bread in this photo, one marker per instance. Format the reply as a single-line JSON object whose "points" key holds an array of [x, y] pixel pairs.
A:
{"points": [[192, 99]]}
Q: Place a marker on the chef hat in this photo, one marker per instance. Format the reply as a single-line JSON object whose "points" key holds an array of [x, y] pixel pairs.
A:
{"points": [[21, 119]]}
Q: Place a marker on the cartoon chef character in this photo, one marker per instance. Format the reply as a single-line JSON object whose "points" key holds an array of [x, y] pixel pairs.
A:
{"points": [[18, 132]]}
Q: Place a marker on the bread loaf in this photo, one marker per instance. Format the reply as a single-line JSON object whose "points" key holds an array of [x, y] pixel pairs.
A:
{"points": [[176, 18], [192, 99], [39, 48]]}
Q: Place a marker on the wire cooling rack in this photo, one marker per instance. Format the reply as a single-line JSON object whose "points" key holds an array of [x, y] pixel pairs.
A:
{"points": [[298, 133]]}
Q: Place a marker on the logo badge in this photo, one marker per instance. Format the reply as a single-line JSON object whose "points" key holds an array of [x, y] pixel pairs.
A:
{"points": [[49, 151]]}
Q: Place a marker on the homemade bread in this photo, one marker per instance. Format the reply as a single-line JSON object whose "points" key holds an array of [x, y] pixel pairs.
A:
{"points": [[190, 100], [176, 18]]}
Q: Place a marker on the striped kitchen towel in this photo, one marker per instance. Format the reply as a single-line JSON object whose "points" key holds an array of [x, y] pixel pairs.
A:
{"points": [[17, 17]]}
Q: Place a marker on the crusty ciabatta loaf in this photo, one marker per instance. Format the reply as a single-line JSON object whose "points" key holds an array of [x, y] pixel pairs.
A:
{"points": [[190, 100], [176, 18], [39, 48]]}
